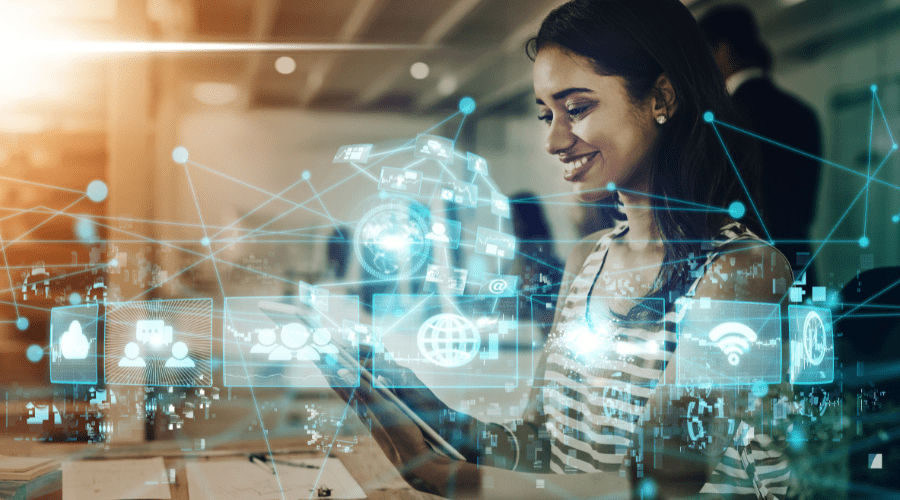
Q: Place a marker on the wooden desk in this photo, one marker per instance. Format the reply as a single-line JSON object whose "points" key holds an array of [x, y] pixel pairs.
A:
{"points": [[368, 465]]}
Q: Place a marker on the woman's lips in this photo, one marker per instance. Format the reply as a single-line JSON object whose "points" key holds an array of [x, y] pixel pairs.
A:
{"points": [[576, 170]]}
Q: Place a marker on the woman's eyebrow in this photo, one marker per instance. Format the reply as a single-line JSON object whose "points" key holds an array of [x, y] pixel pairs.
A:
{"points": [[565, 93]]}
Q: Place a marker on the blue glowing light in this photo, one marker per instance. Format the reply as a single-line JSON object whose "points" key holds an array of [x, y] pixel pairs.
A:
{"points": [[467, 105], [708, 117], [796, 437], [97, 191], [74, 299], [874, 88], [737, 210], [306, 175], [864, 242], [22, 323], [649, 489], [86, 231], [760, 388], [611, 186], [896, 219], [34, 353], [180, 154], [205, 242]]}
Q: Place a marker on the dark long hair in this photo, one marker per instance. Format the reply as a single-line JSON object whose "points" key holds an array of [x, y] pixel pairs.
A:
{"points": [[639, 40]]}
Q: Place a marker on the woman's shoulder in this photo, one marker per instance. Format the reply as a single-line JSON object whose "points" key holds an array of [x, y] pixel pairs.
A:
{"points": [[744, 267]]}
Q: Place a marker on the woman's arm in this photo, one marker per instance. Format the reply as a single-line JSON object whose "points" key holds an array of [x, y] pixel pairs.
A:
{"points": [[677, 465]]}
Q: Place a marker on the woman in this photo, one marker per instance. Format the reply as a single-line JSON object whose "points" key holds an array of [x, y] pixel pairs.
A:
{"points": [[623, 86]]}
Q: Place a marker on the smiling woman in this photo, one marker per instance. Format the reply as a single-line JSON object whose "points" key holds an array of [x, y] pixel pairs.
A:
{"points": [[625, 87]]}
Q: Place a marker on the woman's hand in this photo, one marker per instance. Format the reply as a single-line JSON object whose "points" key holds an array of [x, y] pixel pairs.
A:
{"points": [[397, 436]]}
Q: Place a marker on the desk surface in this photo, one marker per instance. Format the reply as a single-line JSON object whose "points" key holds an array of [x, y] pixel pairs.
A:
{"points": [[368, 465]]}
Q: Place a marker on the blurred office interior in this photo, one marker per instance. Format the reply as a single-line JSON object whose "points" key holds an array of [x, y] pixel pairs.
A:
{"points": [[253, 119]]}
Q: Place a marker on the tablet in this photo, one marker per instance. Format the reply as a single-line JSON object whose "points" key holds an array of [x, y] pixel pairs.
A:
{"points": [[314, 319]]}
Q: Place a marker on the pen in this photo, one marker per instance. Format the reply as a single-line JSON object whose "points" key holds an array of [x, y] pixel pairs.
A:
{"points": [[261, 459]]}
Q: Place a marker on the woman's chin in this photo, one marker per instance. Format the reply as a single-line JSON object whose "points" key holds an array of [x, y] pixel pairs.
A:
{"points": [[589, 193]]}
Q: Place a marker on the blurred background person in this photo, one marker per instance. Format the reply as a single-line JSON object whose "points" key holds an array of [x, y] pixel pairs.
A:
{"points": [[539, 270], [789, 181]]}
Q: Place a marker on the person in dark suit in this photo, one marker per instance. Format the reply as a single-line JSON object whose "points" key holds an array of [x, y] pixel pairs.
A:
{"points": [[788, 181]]}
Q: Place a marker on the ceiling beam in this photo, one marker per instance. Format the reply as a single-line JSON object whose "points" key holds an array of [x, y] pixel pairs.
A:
{"points": [[263, 20], [349, 33], [435, 33], [513, 42]]}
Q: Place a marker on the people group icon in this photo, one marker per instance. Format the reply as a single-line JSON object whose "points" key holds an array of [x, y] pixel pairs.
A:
{"points": [[295, 342]]}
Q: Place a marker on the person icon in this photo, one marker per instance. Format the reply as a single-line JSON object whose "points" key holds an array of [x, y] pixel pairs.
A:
{"points": [[132, 353], [179, 357], [266, 342], [438, 233], [322, 342]]}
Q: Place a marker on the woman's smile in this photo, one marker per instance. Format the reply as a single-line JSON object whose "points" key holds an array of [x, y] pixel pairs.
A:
{"points": [[577, 167]]}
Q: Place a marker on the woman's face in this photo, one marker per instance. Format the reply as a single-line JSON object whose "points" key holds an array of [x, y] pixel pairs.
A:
{"points": [[599, 134]]}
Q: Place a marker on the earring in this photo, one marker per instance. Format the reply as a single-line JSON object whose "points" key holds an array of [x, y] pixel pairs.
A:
{"points": [[661, 119]]}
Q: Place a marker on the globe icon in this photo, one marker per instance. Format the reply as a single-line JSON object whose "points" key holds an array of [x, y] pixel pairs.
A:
{"points": [[449, 340]]}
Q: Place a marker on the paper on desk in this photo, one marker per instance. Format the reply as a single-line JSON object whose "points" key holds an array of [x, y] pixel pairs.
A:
{"points": [[243, 480], [115, 479]]}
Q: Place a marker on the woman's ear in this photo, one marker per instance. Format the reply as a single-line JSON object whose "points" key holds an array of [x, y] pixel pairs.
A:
{"points": [[664, 97]]}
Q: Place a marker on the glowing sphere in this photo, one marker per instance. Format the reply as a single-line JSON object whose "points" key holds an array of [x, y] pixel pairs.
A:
{"points": [[390, 241]]}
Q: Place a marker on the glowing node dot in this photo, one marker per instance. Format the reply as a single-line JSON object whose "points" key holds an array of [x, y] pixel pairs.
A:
{"points": [[648, 489], [874, 88], [74, 299], [864, 242], [894, 146], [22, 323], [34, 353], [737, 210], [419, 70], [205, 242], [760, 388], [708, 117], [467, 105], [611, 186], [896, 218], [306, 175], [180, 154], [114, 263], [285, 65], [97, 191]]}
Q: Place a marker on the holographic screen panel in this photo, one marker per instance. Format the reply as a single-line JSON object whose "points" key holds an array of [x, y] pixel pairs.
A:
{"points": [[270, 343], [467, 341], [725, 343], [812, 345], [159, 342], [73, 344]]}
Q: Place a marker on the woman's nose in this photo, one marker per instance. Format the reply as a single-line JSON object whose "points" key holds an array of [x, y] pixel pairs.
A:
{"points": [[559, 137]]}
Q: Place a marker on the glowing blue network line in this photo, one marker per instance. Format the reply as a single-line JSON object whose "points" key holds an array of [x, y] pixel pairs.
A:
{"points": [[255, 188], [741, 179], [316, 196], [26, 233], [802, 153], [8, 275], [76, 191]]}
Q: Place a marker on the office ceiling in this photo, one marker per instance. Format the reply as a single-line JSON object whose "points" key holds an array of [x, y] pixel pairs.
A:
{"points": [[477, 51]]}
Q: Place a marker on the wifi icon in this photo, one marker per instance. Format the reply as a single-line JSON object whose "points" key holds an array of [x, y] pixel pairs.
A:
{"points": [[733, 339]]}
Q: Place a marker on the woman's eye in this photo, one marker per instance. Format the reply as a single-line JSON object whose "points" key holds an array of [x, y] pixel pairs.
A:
{"points": [[576, 112], [545, 117]]}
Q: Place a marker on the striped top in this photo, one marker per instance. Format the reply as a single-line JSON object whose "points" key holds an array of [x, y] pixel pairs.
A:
{"points": [[601, 372]]}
